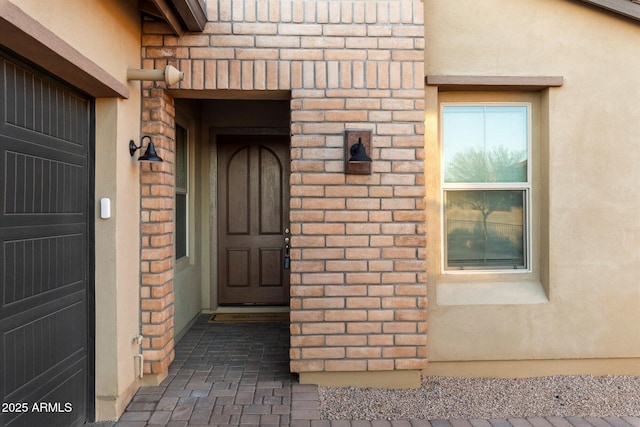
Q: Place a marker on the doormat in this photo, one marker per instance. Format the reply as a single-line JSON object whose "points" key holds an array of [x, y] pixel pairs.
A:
{"points": [[249, 317]]}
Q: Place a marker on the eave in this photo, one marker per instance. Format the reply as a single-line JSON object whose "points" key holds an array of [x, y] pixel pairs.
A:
{"points": [[178, 14], [627, 8], [192, 12]]}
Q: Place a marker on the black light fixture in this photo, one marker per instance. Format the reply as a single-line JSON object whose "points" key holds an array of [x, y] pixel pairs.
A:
{"points": [[357, 142], [150, 155], [359, 152]]}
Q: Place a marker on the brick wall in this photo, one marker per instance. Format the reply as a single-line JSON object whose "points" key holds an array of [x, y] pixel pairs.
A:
{"points": [[358, 294], [157, 230]]}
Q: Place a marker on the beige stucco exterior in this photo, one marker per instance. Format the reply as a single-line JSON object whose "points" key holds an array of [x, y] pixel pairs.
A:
{"points": [[580, 308]]}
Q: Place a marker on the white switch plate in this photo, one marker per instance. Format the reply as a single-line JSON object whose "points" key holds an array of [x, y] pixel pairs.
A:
{"points": [[105, 208]]}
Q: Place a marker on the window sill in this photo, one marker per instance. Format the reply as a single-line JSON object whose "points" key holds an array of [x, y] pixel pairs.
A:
{"points": [[491, 293], [182, 263]]}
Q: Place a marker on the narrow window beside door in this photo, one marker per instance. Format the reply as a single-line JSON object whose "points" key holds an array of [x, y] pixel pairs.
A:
{"points": [[182, 191]]}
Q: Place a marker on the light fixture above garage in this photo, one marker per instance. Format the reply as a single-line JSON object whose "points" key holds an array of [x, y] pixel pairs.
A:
{"points": [[150, 155]]}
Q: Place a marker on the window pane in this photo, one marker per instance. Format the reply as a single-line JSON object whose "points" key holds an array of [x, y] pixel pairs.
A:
{"points": [[181, 225], [181, 157], [485, 144], [181, 191], [485, 229]]}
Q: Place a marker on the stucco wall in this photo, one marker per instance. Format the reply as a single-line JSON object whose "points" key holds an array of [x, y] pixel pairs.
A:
{"points": [[105, 31], [108, 34], [587, 304], [189, 268]]}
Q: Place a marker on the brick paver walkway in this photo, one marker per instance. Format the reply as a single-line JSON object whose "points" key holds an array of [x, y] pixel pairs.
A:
{"points": [[237, 374]]}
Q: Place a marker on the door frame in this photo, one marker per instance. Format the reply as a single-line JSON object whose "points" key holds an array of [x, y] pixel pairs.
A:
{"points": [[213, 193]]}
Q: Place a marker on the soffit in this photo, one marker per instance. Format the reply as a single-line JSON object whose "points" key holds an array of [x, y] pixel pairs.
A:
{"points": [[178, 14], [627, 8]]}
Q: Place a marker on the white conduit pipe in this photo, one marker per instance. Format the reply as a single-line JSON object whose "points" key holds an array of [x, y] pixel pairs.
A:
{"points": [[138, 340], [170, 75]]}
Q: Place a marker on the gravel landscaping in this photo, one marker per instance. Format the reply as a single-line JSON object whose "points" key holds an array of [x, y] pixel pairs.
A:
{"points": [[486, 398]]}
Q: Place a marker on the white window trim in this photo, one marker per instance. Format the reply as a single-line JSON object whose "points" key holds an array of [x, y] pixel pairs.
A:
{"points": [[527, 187]]}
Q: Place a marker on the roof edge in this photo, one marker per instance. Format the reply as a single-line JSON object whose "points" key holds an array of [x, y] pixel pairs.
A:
{"points": [[626, 8]]}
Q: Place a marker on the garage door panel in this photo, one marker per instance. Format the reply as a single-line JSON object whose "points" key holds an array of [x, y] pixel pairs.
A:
{"points": [[34, 184], [39, 143], [45, 137], [61, 389], [42, 306], [44, 148], [59, 220], [34, 349], [15, 312], [32, 103], [59, 225], [38, 265]]}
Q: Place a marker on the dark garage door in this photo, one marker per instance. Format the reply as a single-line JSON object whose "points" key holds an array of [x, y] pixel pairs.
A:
{"points": [[45, 130]]}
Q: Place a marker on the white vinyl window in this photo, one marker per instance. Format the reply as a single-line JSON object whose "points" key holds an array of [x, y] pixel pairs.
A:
{"points": [[486, 186]]}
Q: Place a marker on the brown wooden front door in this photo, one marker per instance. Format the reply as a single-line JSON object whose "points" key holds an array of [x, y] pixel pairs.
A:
{"points": [[253, 214]]}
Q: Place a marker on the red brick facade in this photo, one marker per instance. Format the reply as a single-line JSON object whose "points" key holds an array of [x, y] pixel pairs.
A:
{"points": [[358, 294]]}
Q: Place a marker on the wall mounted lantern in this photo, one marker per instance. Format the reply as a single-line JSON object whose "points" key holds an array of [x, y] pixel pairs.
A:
{"points": [[359, 152], [357, 143], [150, 155]]}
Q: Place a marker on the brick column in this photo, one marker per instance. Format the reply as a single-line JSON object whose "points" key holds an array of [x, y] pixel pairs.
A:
{"points": [[157, 231], [358, 295]]}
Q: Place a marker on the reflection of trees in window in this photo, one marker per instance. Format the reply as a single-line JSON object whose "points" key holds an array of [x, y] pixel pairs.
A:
{"points": [[499, 165], [472, 241], [485, 183]]}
